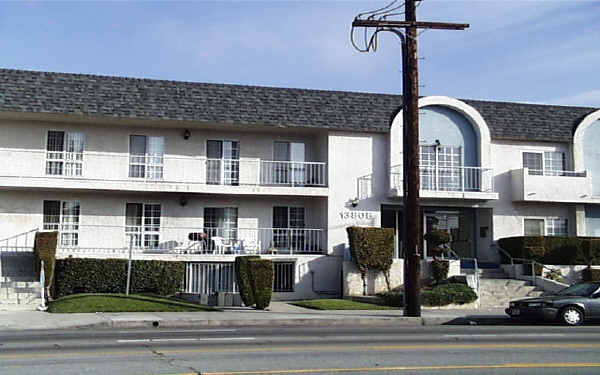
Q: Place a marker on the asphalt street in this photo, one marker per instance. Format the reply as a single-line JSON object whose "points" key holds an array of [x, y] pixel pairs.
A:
{"points": [[516, 349]]}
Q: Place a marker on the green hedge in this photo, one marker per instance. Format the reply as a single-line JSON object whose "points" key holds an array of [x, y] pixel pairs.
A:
{"points": [[44, 248], [261, 279], [242, 276], [441, 295], [590, 274], [75, 275], [552, 250], [372, 249], [439, 270]]}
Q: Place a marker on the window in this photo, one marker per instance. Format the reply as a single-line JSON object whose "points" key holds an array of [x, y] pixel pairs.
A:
{"points": [[288, 228], [283, 278], [547, 163], [556, 227], [534, 227], [142, 224], [63, 216], [146, 157], [441, 167], [545, 226], [223, 164], [221, 222], [64, 153], [289, 166]]}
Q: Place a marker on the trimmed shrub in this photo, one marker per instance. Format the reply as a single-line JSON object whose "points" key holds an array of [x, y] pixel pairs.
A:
{"points": [[435, 239], [76, 275], [448, 293], [552, 249], [372, 249], [590, 274], [441, 295], [439, 270], [44, 248], [242, 277], [261, 278], [394, 299]]}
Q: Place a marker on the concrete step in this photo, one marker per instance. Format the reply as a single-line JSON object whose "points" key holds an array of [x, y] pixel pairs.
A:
{"points": [[33, 306], [499, 292], [22, 278], [19, 284], [21, 300]]}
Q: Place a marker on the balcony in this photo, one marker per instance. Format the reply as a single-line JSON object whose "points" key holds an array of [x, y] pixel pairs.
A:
{"points": [[529, 185], [168, 173], [102, 241], [474, 183]]}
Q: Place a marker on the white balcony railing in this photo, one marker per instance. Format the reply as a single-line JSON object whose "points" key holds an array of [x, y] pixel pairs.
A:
{"points": [[114, 240], [463, 179], [101, 166], [550, 172]]}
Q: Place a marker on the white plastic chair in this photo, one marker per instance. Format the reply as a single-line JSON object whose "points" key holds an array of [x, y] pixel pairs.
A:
{"points": [[220, 244]]}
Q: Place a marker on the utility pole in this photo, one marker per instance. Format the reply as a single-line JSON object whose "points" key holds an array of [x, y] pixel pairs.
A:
{"points": [[410, 104]]}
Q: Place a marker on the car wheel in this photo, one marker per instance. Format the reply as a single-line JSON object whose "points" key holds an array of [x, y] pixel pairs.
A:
{"points": [[571, 316]]}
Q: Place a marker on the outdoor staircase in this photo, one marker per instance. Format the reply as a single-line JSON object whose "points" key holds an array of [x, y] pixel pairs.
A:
{"points": [[496, 289], [20, 288]]}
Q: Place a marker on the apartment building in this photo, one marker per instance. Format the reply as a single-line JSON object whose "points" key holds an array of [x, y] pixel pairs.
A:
{"points": [[204, 172]]}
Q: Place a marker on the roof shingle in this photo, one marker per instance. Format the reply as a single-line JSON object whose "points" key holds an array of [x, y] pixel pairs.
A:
{"points": [[82, 94]]}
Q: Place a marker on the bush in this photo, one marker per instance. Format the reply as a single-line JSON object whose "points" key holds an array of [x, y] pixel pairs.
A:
{"points": [[394, 299], [552, 249], [590, 274], [441, 295], [435, 239], [439, 270], [44, 248], [75, 275], [448, 293], [372, 249], [555, 275], [242, 277], [261, 279]]}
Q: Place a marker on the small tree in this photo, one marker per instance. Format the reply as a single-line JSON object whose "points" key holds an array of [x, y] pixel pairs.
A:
{"points": [[436, 241], [372, 249], [261, 279]]}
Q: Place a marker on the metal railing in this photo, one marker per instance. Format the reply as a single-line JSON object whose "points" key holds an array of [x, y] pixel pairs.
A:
{"points": [[22, 242], [437, 178], [551, 172], [123, 167], [209, 278], [532, 263], [105, 240]]}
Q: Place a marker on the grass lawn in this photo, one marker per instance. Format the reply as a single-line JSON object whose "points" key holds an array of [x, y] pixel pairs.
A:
{"points": [[338, 304], [90, 303]]}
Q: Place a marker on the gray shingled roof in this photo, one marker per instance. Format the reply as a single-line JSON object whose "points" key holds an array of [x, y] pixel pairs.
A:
{"points": [[91, 95]]}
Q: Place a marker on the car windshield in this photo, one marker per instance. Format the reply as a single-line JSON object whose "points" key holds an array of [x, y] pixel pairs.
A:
{"points": [[583, 289]]}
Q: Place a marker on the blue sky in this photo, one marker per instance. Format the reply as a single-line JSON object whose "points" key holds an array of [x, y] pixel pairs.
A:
{"points": [[540, 51]]}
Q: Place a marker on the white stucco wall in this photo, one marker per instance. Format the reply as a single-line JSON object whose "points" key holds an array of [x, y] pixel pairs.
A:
{"points": [[508, 215], [352, 155]]}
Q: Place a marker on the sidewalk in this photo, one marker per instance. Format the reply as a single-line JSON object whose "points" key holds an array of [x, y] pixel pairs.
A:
{"points": [[279, 313]]}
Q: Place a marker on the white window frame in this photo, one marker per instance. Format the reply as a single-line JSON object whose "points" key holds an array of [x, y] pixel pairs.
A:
{"points": [[70, 162], [143, 235], [228, 168], [67, 225], [230, 229], [153, 164], [546, 170], [438, 175], [548, 220]]}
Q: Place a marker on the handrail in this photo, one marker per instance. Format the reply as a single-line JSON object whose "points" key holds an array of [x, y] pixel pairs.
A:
{"points": [[42, 306], [526, 261]]}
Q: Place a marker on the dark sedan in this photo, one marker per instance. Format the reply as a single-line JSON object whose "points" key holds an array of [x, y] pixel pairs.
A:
{"points": [[570, 306]]}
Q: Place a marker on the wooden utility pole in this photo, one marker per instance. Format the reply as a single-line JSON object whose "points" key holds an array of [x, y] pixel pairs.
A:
{"points": [[410, 102]]}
